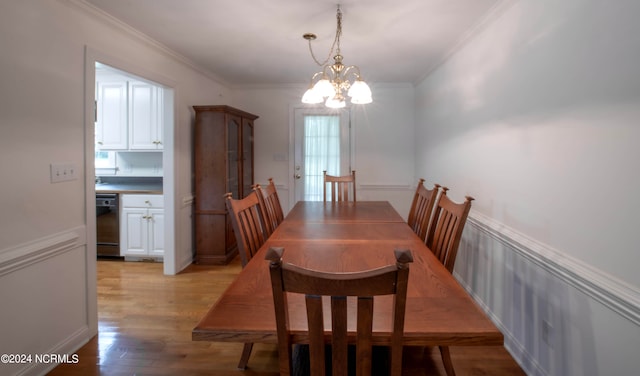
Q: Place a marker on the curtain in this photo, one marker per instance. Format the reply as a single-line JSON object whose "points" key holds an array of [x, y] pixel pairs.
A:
{"points": [[321, 152]]}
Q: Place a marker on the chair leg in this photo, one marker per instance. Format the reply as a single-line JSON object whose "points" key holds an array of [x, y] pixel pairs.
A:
{"points": [[244, 358], [446, 359]]}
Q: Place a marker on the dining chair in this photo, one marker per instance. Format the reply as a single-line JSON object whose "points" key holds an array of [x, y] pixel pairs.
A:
{"points": [[443, 240], [287, 278], [270, 204], [421, 210], [246, 220], [340, 186]]}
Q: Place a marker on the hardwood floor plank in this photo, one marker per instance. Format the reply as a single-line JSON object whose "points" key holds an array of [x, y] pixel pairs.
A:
{"points": [[146, 318]]}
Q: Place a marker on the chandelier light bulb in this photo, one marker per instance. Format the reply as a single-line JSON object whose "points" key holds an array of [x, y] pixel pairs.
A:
{"points": [[324, 88], [359, 91], [312, 97], [335, 102]]}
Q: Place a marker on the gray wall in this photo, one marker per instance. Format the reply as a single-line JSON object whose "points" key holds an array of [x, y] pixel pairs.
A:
{"points": [[536, 116]]}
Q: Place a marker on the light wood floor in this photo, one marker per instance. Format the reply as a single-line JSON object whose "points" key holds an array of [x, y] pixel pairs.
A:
{"points": [[146, 318]]}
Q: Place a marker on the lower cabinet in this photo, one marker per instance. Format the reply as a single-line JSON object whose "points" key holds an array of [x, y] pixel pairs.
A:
{"points": [[142, 226]]}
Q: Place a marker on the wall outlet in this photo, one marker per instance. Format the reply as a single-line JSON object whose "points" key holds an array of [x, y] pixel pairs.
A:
{"points": [[63, 172]]}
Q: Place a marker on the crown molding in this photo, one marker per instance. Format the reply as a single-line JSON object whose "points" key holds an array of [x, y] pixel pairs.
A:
{"points": [[109, 20], [473, 32]]}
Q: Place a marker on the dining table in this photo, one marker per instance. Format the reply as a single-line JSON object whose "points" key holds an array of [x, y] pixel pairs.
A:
{"points": [[349, 237]]}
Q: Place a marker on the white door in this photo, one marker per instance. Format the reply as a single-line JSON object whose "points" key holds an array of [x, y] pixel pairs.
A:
{"points": [[322, 142]]}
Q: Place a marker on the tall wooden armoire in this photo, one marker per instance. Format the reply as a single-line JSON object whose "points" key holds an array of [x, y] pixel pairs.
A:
{"points": [[223, 162]]}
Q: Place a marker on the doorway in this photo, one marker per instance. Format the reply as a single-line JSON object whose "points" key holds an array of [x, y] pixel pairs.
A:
{"points": [[323, 141], [93, 58]]}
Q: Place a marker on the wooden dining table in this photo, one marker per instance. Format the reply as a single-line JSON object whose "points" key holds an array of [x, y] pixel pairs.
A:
{"points": [[347, 237]]}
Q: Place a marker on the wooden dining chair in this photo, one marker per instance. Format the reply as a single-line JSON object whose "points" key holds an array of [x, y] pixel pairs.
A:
{"points": [[387, 280], [249, 230], [270, 204], [421, 210], [340, 187], [443, 239]]}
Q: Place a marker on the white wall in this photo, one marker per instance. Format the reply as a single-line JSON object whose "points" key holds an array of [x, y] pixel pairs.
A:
{"points": [[47, 243], [383, 149], [537, 118]]}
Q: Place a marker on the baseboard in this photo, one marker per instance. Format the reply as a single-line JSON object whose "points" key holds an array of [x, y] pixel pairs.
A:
{"points": [[69, 346]]}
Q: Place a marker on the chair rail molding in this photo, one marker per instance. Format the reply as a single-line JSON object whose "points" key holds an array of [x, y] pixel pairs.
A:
{"points": [[610, 291], [26, 254]]}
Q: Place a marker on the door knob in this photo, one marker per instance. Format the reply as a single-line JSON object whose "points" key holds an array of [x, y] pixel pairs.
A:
{"points": [[297, 176]]}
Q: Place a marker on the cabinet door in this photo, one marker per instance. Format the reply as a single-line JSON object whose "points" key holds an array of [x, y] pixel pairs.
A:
{"points": [[247, 156], [233, 156], [134, 232], [156, 232], [111, 115], [144, 117]]}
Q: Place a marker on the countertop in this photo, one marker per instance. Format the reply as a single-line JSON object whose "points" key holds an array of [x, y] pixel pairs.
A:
{"points": [[148, 188]]}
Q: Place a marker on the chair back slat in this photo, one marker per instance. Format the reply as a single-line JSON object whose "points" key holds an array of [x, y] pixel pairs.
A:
{"points": [[421, 211], [342, 188], [364, 286], [248, 227], [446, 228], [271, 207]]}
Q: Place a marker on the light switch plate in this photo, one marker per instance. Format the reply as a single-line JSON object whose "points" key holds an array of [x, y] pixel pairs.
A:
{"points": [[63, 172]]}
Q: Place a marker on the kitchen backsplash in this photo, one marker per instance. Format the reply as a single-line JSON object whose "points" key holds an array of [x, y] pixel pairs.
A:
{"points": [[134, 164]]}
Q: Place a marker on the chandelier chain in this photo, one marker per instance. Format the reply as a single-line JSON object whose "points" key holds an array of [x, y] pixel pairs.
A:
{"points": [[336, 41]]}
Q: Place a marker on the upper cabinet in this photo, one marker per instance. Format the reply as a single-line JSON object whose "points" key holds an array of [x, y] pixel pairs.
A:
{"points": [[145, 118], [128, 115], [111, 115]]}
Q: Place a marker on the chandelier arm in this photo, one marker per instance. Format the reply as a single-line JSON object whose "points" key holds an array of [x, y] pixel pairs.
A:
{"points": [[315, 75], [348, 70]]}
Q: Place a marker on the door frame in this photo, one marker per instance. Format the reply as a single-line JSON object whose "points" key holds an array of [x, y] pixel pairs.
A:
{"points": [[292, 146], [93, 56]]}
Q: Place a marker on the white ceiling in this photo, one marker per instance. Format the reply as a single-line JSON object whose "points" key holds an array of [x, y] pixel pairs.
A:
{"points": [[260, 41]]}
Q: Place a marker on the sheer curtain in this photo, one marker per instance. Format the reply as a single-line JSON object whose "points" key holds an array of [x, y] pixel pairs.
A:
{"points": [[321, 152]]}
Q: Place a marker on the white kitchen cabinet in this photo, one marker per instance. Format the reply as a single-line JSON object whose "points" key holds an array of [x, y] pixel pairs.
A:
{"points": [[145, 118], [111, 115], [142, 226], [128, 115]]}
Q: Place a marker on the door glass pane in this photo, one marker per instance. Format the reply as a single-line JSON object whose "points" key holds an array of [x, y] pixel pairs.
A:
{"points": [[321, 152], [233, 134], [247, 157]]}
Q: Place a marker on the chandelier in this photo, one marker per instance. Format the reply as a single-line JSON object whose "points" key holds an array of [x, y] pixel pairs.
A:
{"points": [[332, 81]]}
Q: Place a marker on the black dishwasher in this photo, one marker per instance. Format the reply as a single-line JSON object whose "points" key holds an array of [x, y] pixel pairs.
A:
{"points": [[107, 225]]}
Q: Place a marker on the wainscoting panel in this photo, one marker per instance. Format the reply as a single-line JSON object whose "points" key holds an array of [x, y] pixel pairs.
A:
{"points": [[558, 315], [43, 285]]}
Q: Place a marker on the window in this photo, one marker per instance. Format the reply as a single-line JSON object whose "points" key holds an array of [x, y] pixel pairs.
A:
{"points": [[321, 152], [105, 159]]}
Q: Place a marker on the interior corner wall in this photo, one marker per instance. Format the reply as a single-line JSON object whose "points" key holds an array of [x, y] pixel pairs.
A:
{"points": [[536, 116], [382, 131], [47, 264]]}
